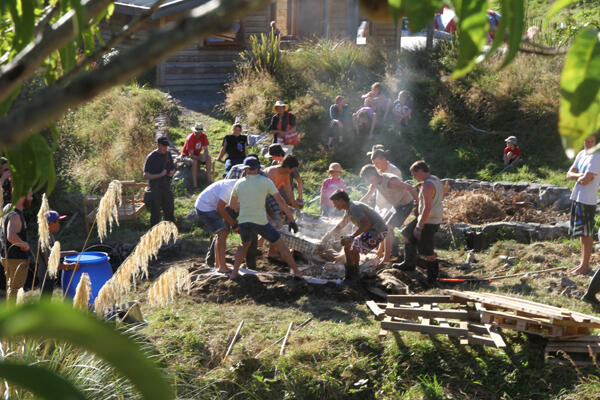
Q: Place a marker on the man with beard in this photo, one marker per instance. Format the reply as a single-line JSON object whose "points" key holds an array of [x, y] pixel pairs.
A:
{"points": [[16, 247]]}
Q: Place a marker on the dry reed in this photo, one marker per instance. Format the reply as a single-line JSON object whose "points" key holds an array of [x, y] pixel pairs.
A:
{"points": [[54, 260], [108, 209], [172, 282], [134, 266], [43, 229], [83, 292]]}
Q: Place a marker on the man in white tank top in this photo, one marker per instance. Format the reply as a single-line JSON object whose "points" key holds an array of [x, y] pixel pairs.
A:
{"points": [[419, 234]]}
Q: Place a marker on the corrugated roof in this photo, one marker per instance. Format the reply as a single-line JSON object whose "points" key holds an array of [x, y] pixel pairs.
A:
{"points": [[135, 7]]}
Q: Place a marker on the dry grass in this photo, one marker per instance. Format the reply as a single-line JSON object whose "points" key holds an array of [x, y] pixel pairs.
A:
{"points": [[83, 292], [136, 265], [54, 260], [174, 281], [485, 205], [108, 209], [43, 229]]}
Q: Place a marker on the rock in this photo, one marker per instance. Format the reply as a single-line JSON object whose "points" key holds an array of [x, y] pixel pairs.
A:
{"points": [[566, 282], [470, 257], [537, 245], [567, 291], [552, 284], [503, 258], [548, 289], [512, 259], [465, 267], [507, 266], [539, 258]]}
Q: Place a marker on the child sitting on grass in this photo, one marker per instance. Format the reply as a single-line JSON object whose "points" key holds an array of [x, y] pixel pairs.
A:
{"points": [[402, 108], [329, 187], [512, 153]]}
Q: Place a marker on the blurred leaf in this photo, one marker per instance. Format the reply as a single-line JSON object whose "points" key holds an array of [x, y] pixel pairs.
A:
{"points": [[580, 91], [472, 30], [32, 165], [40, 381], [396, 7], [68, 57], [81, 16], [514, 15], [60, 321], [420, 13], [559, 5]]}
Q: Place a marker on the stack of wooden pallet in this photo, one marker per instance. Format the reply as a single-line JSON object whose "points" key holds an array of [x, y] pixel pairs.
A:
{"points": [[476, 317]]}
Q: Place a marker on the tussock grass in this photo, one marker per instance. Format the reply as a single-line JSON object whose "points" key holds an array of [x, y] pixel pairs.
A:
{"points": [[174, 281], [54, 260], [108, 209], [43, 230], [83, 292]]}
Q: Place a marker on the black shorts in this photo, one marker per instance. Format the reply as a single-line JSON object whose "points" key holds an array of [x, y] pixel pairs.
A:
{"points": [[425, 245], [582, 219]]}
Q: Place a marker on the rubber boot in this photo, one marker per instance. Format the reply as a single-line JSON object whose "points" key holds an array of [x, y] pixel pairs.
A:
{"points": [[433, 270], [410, 254], [593, 288], [352, 273]]}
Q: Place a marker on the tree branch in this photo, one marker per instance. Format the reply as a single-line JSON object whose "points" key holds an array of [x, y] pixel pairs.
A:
{"points": [[536, 48], [25, 64], [50, 103], [114, 40]]}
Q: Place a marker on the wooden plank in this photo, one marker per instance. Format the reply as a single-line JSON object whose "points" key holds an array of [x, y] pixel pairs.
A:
{"points": [[464, 325], [588, 338], [379, 313], [495, 336], [420, 312], [388, 324], [476, 339], [399, 299], [477, 328], [573, 349]]}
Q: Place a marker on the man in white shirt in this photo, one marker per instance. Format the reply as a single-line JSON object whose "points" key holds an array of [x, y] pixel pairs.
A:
{"points": [[586, 172], [210, 207]]}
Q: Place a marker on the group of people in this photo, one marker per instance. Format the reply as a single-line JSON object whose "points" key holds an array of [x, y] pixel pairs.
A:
{"points": [[376, 109]]}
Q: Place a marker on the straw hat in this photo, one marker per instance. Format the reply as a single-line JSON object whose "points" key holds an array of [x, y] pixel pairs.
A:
{"points": [[280, 103], [198, 127], [335, 167], [377, 147]]}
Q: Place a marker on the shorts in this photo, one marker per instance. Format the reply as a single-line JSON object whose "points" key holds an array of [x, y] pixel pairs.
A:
{"points": [[425, 245], [211, 220], [582, 219], [396, 216], [249, 231], [366, 242]]}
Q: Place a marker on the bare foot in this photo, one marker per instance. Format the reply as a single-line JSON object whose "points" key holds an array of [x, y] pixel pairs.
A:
{"points": [[233, 275], [579, 271], [225, 270]]}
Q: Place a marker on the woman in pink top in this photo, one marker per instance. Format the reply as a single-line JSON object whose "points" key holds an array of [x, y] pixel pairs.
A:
{"points": [[330, 185]]}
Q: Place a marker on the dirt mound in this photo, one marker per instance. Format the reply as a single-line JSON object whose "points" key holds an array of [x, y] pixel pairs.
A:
{"points": [[481, 206]]}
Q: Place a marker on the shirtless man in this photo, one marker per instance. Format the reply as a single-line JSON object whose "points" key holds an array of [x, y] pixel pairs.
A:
{"points": [[280, 175]]}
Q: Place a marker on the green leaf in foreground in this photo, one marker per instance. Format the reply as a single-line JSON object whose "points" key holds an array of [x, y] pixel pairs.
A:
{"points": [[472, 30], [559, 5], [580, 91], [40, 381], [52, 320], [419, 13]]}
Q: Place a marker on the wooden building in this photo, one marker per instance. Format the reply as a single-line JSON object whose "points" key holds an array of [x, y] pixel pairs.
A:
{"points": [[207, 64]]}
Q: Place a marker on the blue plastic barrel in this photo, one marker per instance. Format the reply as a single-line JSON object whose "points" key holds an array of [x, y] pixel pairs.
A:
{"points": [[95, 263]]}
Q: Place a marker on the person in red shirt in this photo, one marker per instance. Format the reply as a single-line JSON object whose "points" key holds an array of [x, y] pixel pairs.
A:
{"points": [[512, 153], [196, 148]]}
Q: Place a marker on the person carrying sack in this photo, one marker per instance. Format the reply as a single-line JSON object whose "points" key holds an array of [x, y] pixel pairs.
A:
{"points": [[16, 247]]}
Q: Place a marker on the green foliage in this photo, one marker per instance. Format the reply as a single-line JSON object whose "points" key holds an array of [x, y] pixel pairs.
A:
{"points": [[60, 321], [264, 54], [472, 30], [580, 90]]}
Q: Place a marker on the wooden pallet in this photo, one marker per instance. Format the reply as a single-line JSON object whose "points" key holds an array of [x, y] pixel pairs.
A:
{"points": [[574, 350], [423, 314]]}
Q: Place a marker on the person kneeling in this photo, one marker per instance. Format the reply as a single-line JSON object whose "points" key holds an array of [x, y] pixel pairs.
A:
{"points": [[370, 233]]}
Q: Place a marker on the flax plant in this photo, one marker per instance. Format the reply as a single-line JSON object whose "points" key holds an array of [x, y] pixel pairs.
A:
{"points": [[174, 281], [136, 265], [83, 292]]}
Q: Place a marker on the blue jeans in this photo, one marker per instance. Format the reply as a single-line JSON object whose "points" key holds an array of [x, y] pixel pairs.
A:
{"points": [[230, 163]]}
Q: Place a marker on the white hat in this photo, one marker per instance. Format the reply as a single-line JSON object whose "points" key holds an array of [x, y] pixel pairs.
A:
{"points": [[511, 139], [198, 127], [280, 103]]}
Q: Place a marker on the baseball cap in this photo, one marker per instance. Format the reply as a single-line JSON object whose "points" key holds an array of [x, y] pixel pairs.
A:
{"points": [[251, 163], [52, 216], [163, 141]]}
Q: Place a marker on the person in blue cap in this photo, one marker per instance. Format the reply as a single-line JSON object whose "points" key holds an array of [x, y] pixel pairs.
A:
{"points": [[248, 195], [49, 284]]}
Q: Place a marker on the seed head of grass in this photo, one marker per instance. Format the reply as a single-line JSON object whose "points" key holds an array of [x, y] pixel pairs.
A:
{"points": [[43, 229], [54, 260], [108, 209], [20, 296], [172, 282], [135, 265], [83, 292]]}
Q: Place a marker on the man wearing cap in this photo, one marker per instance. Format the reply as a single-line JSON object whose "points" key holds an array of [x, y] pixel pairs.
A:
{"points": [[400, 195], [235, 146], [211, 209], [283, 123], [159, 170], [196, 148], [512, 153], [16, 247], [48, 283], [585, 171], [248, 195], [277, 153], [419, 234]]}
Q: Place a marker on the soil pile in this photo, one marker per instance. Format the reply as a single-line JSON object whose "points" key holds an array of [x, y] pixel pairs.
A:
{"points": [[482, 206]]}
